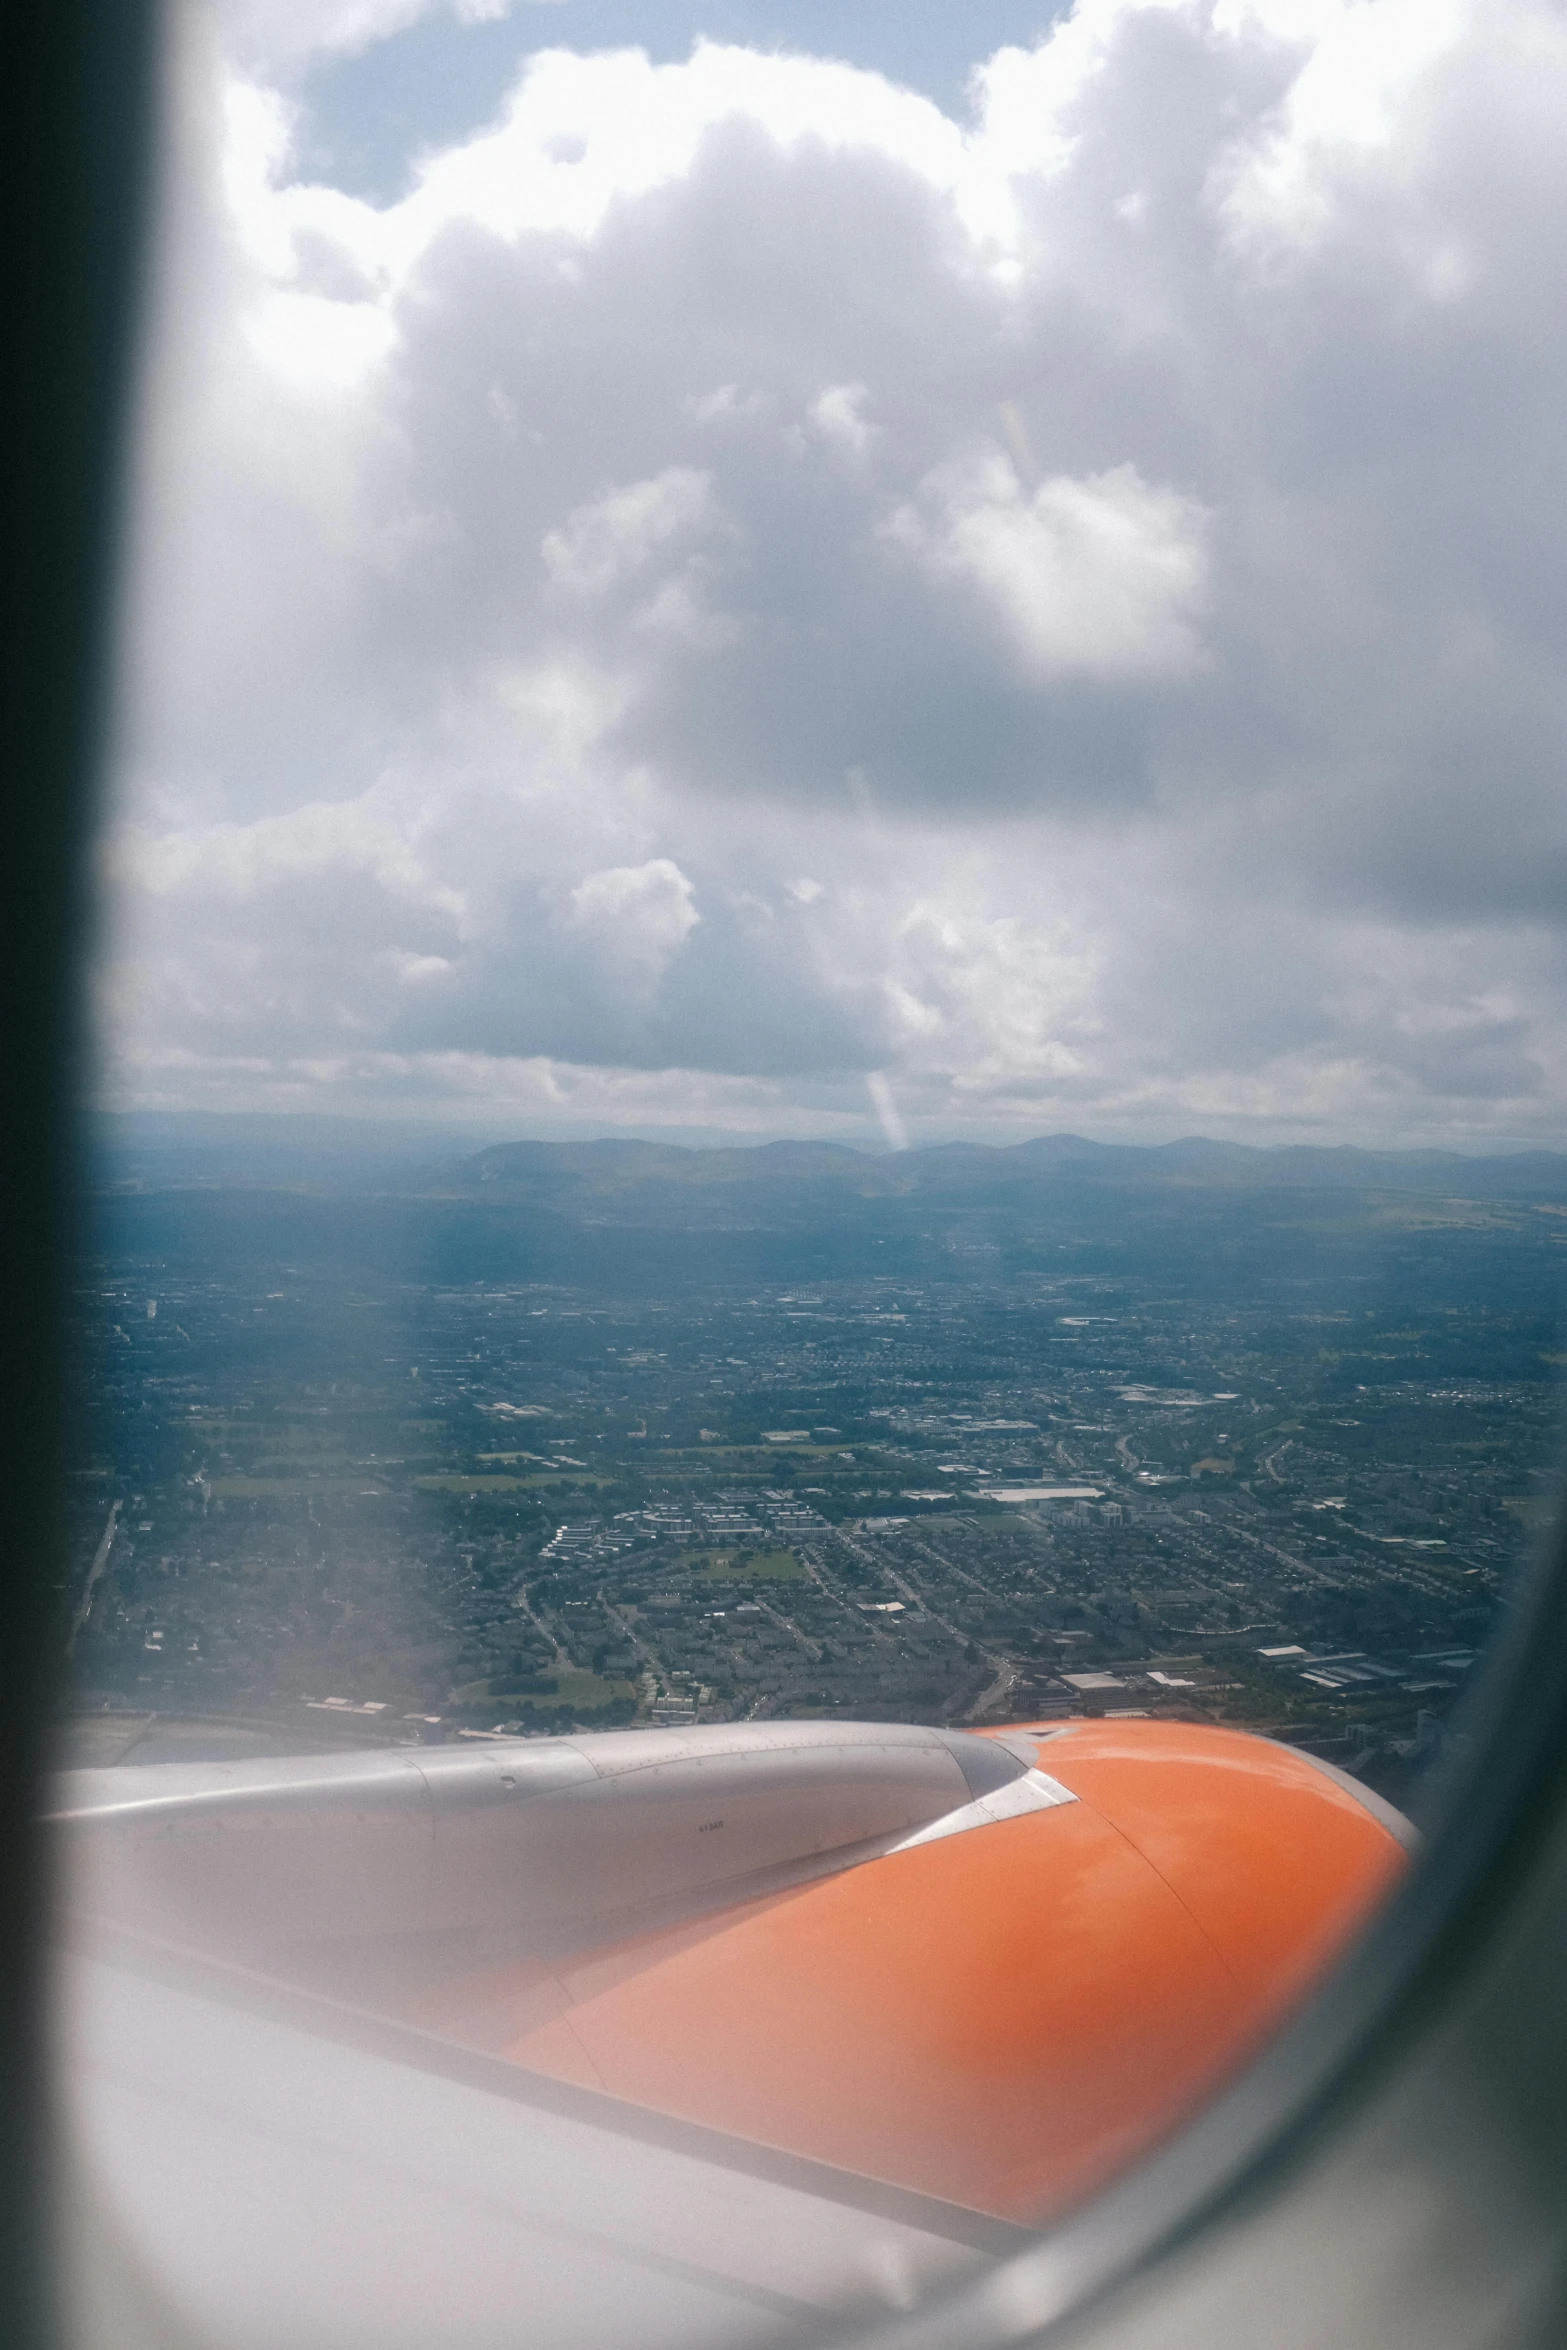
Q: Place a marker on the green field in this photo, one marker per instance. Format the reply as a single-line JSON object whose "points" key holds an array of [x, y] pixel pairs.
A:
{"points": [[770, 1454], [466, 1483], [747, 1566], [288, 1488], [488, 1481], [583, 1692]]}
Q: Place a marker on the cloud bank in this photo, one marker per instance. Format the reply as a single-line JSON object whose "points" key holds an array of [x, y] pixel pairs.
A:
{"points": [[742, 599]]}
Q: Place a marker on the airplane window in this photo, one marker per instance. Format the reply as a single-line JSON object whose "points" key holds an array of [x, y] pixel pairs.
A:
{"points": [[822, 1310]]}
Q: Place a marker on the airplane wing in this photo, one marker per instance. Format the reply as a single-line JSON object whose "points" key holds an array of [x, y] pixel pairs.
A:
{"points": [[720, 2035]]}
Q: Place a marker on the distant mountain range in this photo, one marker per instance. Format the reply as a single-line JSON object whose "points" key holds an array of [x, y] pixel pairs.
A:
{"points": [[231, 1200], [614, 1170], [159, 1152]]}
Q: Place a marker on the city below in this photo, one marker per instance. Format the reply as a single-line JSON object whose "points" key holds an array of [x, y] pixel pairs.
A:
{"points": [[569, 1437]]}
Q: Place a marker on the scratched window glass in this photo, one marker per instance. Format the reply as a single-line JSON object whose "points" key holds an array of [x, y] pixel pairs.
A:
{"points": [[828, 1225]]}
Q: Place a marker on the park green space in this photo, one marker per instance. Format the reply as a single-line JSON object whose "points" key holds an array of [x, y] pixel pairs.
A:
{"points": [[300, 1461], [286, 1488], [566, 1685], [466, 1482], [487, 1481], [746, 1566], [772, 1454]]}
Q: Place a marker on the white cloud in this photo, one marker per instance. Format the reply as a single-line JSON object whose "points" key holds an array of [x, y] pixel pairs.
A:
{"points": [[585, 134], [1357, 96], [1102, 577], [839, 416], [639, 915], [600, 545], [582, 623], [724, 402]]}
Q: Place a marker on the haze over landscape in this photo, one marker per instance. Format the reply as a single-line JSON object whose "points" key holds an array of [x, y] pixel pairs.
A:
{"points": [[383, 1447]]}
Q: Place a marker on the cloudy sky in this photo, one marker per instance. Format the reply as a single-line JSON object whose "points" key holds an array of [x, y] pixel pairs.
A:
{"points": [[1010, 576]]}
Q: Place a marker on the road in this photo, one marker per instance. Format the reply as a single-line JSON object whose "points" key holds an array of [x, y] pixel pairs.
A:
{"points": [[100, 1561]]}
